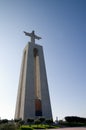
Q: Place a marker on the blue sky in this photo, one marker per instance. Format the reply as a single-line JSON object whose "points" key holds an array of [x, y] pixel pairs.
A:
{"points": [[62, 26]]}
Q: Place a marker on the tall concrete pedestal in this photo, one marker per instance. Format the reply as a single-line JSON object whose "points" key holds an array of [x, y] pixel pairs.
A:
{"points": [[33, 99]]}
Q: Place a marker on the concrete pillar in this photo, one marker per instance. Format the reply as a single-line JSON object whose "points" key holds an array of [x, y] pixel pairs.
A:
{"points": [[33, 99]]}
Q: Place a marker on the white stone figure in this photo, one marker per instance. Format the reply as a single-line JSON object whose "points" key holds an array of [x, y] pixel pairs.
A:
{"points": [[33, 36]]}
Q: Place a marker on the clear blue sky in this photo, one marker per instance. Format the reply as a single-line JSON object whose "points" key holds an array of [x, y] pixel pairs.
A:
{"points": [[62, 26]]}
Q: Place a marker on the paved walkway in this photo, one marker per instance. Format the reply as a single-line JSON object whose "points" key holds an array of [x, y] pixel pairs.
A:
{"points": [[78, 128]]}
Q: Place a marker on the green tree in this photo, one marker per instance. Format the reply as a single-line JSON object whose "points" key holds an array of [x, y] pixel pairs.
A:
{"points": [[37, 121], [49, 121], [17, 120], [4, 121], [42, 119], [30, 121], [21, 122]]}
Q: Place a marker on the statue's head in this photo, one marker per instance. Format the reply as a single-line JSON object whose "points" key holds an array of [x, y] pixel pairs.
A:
{"points": [[33, 32]]}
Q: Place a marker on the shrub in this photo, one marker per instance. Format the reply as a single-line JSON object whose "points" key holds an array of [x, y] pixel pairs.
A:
{"points": [[37, 121], [30, 121], [7, 127], [42, 119], [4, 121], [50, 121]]}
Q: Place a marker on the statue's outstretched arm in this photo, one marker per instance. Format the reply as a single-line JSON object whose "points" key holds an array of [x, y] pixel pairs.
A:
{"points": [[37, 37], [27, 34]]}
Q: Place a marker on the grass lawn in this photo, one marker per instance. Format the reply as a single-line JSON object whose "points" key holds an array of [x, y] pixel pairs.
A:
{"points": [[39, 126]]}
